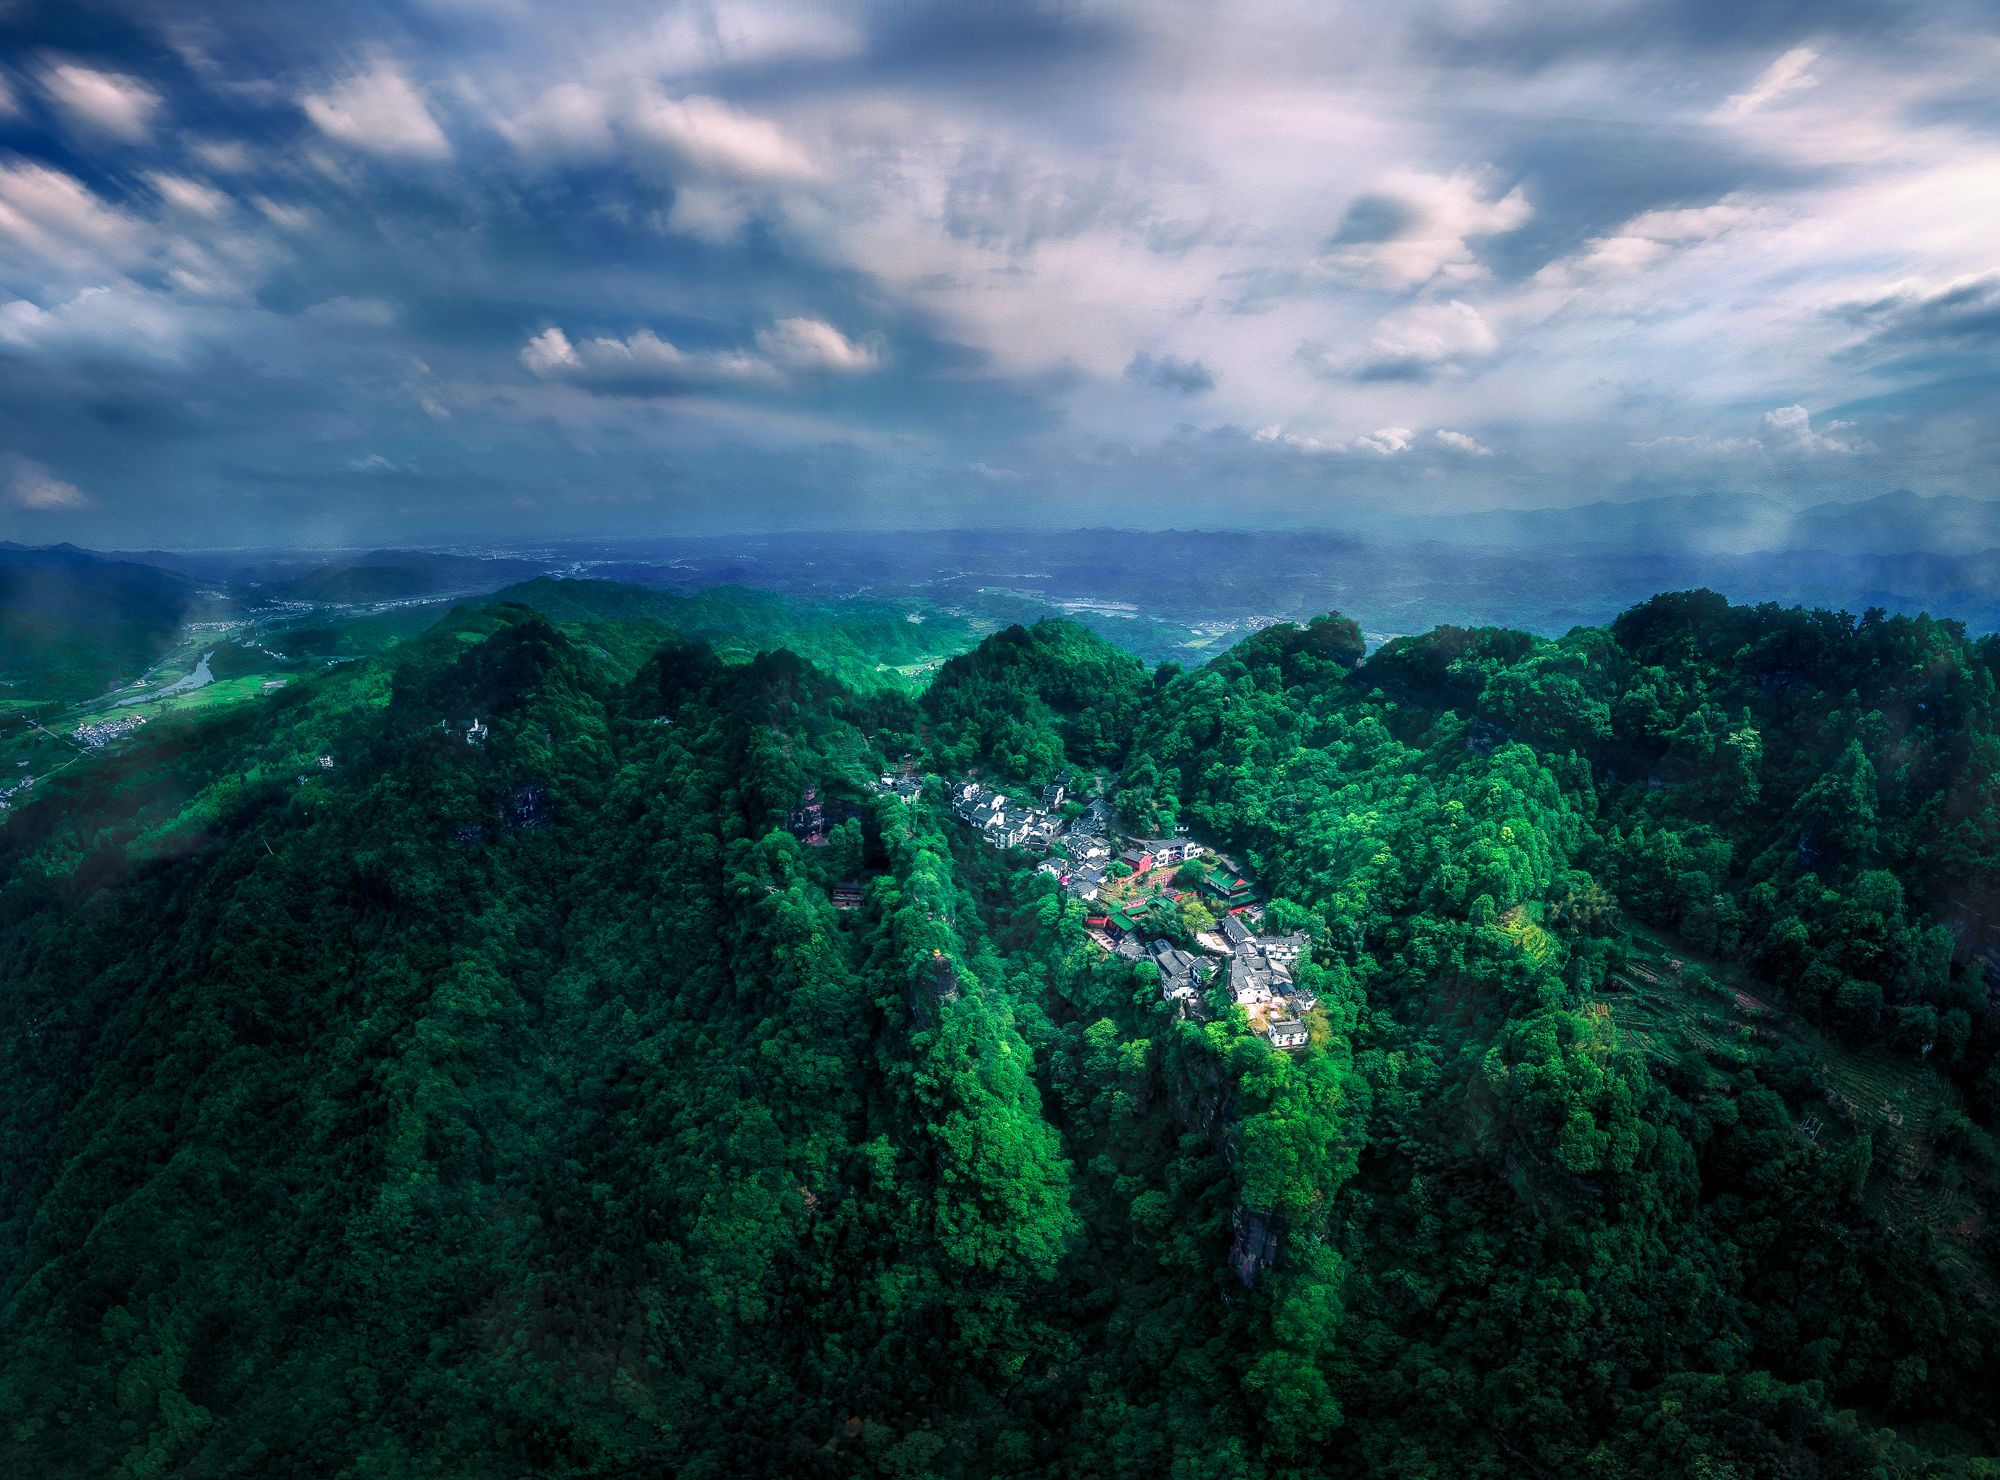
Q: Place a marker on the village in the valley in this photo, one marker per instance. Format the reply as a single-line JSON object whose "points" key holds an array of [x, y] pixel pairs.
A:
{"points": [[1129, 882]]}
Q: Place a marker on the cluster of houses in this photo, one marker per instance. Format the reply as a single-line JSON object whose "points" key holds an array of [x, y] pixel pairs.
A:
{"points": [[1260, 972], [1260, 976], [104, 731], [1005, 823], [904, 789], [1260, 967], [26, 783], [1090, 853]]}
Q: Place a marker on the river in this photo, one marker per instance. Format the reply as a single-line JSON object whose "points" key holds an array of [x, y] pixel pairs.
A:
{"points": [[193, 680]]}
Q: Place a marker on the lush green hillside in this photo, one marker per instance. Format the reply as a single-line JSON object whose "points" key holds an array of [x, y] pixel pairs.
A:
{"points": [[861, 643], [1031, 700], [525, 1105], [67, 632]]}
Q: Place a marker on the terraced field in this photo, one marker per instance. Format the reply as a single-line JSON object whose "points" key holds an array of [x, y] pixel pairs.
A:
{"points": [[1526, 932]]}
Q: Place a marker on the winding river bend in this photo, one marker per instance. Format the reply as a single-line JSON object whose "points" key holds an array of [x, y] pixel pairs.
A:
{"points": [[193, 680]]}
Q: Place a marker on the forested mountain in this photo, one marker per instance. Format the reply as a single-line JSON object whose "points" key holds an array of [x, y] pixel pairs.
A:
{"points": [[853, 641], [70, 626], [456, 1065]]}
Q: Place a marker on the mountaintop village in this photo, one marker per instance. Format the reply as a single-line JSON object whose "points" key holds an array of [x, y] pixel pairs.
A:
{"points": [[1126, 877]]}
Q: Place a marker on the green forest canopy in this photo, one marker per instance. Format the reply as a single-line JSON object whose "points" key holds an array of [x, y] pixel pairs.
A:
{"points": [[527, 1107]]}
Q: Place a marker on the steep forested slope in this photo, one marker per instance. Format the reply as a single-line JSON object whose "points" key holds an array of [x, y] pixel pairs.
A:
{"points": [[522, 1104], [1614, 1252], [68, 630], [1032, 699]]}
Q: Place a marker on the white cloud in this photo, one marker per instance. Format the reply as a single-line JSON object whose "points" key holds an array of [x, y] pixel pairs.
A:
{"points": [[189, 195], [569, 121], [103, 102], [381, 112], [1436, 331], [1786, 75], [1695, 223], [125, 323], [642, 364], [291, 218], [711, 215], [995, 475], [1653, 238], [1788, 434], [32, 486], [231, 156], [55, 217], [1420, 341], [359, 312], [1616, 256], [549, 353], [1388, 441], [1790, 430], [709, 136], [647, 364], [1415, 227], [1961, 315], [705, 144], [1460, 442], [809, 345], [375, 462]]}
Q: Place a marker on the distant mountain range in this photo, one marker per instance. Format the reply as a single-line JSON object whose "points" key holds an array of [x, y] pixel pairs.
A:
{"points": [[385, 575], [375, 575], [1731, 524], [74, 619]]}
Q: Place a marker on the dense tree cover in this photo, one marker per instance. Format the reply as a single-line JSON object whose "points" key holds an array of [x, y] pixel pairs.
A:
{"points": [[68, 631], [1663, 1273], [524, 1105], [853, 641], [1031, 700], [1807, 778]]}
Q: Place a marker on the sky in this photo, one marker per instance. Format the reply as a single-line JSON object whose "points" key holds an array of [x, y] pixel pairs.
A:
{"points": [[485, 270]]}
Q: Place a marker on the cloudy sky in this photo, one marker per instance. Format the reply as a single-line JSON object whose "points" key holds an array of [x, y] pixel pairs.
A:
{"points": [[486, 269]]}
